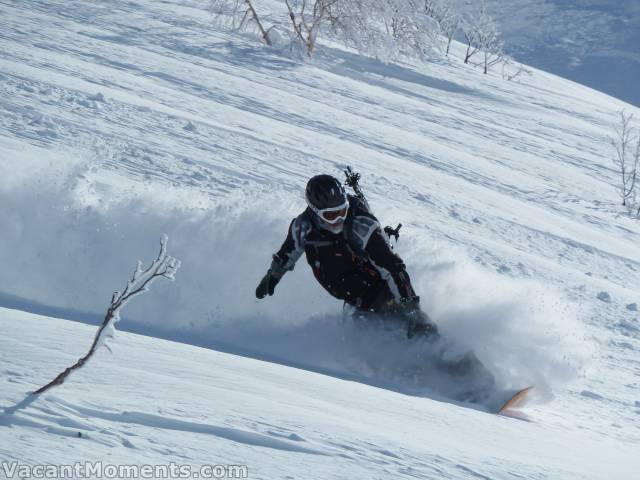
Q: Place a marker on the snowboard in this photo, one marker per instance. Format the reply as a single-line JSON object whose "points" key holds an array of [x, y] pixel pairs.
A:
{"points": [[514, 402]]}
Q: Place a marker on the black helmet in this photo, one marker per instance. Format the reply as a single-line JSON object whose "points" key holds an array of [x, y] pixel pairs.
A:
{"points": [[325, 191], [327, 199]]}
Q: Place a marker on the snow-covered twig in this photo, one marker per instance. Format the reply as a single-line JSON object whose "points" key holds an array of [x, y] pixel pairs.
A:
{"points": [[512, 69], [164, 266]]}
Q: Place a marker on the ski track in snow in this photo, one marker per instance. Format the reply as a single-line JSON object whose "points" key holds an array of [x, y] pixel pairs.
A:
{"points": [[143, 118]]}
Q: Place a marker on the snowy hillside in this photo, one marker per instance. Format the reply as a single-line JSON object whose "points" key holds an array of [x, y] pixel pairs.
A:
{"points": [[121, 121], [203, 407]]}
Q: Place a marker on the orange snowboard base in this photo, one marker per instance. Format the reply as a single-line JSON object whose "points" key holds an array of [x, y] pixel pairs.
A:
{"points": [[515, 401]]}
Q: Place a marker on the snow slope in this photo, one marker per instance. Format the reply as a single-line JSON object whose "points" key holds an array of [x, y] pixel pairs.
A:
{"points": [[124, 120], [209, 408]]}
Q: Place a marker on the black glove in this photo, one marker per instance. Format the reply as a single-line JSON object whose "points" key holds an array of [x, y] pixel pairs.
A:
{"points": [[267, 285], [409, 307], [422, 328], [418, 322], [270, 280]]}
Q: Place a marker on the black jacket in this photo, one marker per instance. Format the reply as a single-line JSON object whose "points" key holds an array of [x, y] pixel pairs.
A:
{"points": [[356, 265]]}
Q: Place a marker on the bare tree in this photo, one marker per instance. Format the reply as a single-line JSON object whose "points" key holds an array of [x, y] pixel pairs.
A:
{"points": [[164, 266], [242, 15], [447, 17], [482, 36], [307, 18], [636, 161], [627, 156]]}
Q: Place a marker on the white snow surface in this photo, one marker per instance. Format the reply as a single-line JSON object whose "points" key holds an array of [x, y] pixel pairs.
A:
{"points": [[121, 121]]}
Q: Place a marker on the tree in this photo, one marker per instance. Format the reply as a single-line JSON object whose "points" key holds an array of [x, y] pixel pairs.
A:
{"points": [[418, 33], [627, 157], [447, 17], [385, 29], [242, 15], [307, 17], [482, 36]]}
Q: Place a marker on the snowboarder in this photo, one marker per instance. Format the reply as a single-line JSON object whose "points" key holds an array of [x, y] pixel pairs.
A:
{"points": [[350, 257]]}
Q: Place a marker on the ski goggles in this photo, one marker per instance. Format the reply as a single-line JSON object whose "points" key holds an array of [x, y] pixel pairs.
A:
{"points": [[332, 215]]}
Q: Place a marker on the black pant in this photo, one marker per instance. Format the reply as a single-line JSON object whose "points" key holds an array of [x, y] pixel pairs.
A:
{"points": [[380, 301]]}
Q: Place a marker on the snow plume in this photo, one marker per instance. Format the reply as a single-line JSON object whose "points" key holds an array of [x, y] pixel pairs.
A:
{"points": [[71, 233], [72, 230], [526, 333], [523, 332]]}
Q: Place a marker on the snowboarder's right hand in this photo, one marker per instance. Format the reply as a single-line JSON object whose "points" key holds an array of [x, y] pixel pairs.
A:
{"points": [[418, 322], [267, 285]]}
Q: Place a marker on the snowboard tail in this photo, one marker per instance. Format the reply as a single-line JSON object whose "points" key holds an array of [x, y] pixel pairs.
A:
{"points": [[516, 401]]}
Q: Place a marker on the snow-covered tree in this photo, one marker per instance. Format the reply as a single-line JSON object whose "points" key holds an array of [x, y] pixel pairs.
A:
{"points": [[626, 143], [418, 33], [482, 35], [445, 13], [386, 29], [307, 18], [241, 15]]}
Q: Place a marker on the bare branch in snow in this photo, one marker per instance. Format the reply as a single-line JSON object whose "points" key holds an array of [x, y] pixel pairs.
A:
{"points": [[164, 266], [511, 69]]}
